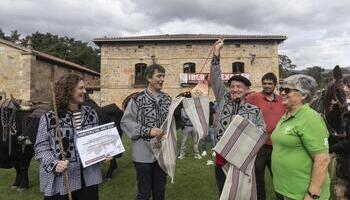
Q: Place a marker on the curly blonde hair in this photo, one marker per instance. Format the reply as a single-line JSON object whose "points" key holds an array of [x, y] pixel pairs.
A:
{"points": [[64, 88]]}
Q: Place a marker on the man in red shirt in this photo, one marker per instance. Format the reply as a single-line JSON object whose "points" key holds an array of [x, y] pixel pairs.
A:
{"points": [[272, 110]]}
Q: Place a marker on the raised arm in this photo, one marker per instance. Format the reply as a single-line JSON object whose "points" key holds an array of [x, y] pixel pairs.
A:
{"points": [[218, 86]]}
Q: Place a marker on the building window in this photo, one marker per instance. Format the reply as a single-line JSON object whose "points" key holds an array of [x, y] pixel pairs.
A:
{"points": [[2, 96], [237, 67], [140, 76], [189, 68], [188, 46]]}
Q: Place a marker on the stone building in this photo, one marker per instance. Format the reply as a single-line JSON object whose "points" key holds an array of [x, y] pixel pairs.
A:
{"points": [[124, 59], [26, 74]]}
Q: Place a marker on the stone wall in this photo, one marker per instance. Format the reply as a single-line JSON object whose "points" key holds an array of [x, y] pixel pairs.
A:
{"points": [[118, 64], [28, 77], [43, 72], [14, 70]]}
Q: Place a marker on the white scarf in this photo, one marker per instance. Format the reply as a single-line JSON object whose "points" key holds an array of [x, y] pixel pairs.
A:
{"points": [[164, 148]]}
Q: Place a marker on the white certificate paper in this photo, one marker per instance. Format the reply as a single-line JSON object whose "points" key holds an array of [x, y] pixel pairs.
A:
{"points": [[95, 144]]}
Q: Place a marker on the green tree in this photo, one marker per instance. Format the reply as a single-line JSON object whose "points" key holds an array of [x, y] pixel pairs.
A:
{"points": [[319, 74], [285, 65], [66, 48], [14, 36], [63, 47], [2, 34]]}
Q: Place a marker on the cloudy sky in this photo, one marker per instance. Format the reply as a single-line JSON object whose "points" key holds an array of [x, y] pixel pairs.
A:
{"points": [[318, 31]]}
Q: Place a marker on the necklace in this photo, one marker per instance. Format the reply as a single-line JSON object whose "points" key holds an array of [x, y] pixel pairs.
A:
{"points": [[4, 123]]}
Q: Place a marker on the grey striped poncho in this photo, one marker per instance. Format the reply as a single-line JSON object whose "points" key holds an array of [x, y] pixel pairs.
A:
{"points": [[164, 148], [239, 145]]}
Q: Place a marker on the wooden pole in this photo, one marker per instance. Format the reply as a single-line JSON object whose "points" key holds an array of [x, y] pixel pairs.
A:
{"points": [[59, 137]]}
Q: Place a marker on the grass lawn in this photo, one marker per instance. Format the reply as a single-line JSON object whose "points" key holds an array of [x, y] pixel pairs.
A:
{"points": [[194, 180]]}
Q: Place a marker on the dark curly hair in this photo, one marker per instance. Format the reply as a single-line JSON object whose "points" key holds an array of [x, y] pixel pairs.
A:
{"points": [[271, 77], [64, 88]]}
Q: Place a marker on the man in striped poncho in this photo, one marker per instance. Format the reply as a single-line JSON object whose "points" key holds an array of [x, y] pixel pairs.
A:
{"points": [[231, 103]]}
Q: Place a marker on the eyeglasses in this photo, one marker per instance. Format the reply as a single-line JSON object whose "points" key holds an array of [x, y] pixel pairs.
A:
{"points": [[287, 90]]}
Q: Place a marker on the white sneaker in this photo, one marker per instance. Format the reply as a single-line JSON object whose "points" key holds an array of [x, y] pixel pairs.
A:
{"points": [[197, 156], [210, 162], [181, 157], [204, 153]]}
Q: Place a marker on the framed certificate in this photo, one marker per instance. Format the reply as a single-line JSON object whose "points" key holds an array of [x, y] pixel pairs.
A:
{"points": [[96, 144]]}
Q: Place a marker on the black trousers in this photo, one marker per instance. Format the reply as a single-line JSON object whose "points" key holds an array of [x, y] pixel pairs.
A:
{"points": [[263, 160], [151, 181], [86, 193], [283, 197], [220, 178]]}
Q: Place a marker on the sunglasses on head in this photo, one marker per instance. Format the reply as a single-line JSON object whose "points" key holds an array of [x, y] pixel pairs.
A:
{"points": [[287, 90]]}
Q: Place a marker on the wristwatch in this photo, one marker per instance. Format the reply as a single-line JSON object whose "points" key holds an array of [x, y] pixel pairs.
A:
{"points": [[313, 196]]}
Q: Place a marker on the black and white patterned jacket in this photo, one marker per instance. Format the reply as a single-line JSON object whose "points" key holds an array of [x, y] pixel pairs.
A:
{"points": [[47, 152], [143, 113]]}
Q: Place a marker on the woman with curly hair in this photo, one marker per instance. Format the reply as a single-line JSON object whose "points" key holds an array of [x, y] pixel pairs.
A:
{"points": [[73, 116]]}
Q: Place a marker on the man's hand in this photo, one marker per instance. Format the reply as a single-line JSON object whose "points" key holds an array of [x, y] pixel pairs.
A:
{"points": [[218, 46], [108, 158], [156, 132], [61, 166]]}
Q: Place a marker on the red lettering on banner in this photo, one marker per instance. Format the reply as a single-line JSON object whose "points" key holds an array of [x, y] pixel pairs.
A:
{"points": [[196, 77]]}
